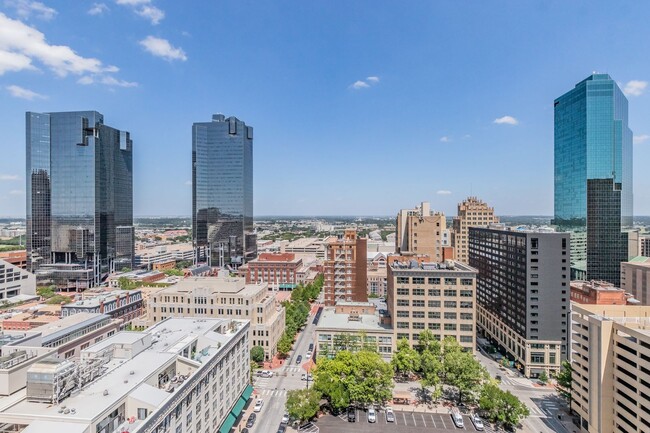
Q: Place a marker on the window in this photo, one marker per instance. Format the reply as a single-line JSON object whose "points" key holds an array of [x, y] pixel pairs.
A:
{"points": [[418, 280], [418, 314], [466, 281], [402, 313], [451, 304], [451, 316], [450, 281], [466, 328], [402, 302], [466, 293], [418, 292], [433, 314], [434, 304], [418, 325], [418, 303], [402, 291], [434, 280], [537, 358], [434, 326], [534, 243], [434, 292], [402, 280], [451, 292], [142, 413], [402, 325], [450, 326]]}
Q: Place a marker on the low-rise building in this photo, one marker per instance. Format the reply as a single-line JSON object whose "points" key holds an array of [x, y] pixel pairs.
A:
{"points": [[278, 270], [599, 292], [635, 278], [16, 258], [119, 304], [377, 281], [353, 326], [147, 257], [611, 367], [15, 281], [223, 296], [440, 297], [181, 375]]}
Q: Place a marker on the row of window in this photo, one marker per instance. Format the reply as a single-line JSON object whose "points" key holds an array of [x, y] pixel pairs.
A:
{"points": [[401, 291], [435, 304], [435, 280]]}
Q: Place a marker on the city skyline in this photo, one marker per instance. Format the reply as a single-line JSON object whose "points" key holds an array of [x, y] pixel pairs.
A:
{"points": [[372, 91]]}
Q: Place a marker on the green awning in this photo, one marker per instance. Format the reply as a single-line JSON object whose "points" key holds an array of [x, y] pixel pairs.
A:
{"points": [[247, 392], [239, 406], [228, 423]]}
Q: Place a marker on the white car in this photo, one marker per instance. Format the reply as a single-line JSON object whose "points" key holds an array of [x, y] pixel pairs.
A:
{"points": [[258, 405], [478, 422], [372, 415], [285, 419], [390, 415], [266, 373]]}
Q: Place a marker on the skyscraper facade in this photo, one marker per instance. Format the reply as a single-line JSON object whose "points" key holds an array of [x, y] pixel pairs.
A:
{"points": [[593, 175], [472, 212], [79, 198], [345, 269], [222, 191], [420, 231]]}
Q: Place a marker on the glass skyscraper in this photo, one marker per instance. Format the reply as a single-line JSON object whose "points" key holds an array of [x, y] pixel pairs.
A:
{"points": [[79, 198], [222, 191], [593, 176]]}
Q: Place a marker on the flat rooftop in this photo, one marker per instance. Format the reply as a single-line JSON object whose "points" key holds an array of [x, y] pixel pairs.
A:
{"points": [[450, 266], [329, 319], [133, 377], [303, 243], [70, 324], [102, 297], [228, 285]]}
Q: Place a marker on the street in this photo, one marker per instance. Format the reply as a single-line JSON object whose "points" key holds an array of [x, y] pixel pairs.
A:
{"points": [[274, 390]]}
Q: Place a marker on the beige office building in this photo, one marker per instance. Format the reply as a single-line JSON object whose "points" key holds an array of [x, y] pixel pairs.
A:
{"points": [[611, 368], [223, 297], [635, 278], [472, 212], [420, 231], [435, 296]]}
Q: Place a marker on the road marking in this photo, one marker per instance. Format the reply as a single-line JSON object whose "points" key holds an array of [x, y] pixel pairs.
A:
{"points": [[433, 421], [414, 422], [425, 423], [404, 416], [442, 418]]}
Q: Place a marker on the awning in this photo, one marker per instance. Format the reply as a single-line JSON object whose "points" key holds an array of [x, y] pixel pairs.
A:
{"points": [[247, 392], [239, 406], [228, 423]]}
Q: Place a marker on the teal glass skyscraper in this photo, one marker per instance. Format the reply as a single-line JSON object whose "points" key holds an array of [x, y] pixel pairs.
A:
{"points": [[222, 191], [593, 176]]}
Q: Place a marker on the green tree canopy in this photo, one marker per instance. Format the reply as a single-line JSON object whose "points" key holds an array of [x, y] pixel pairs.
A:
{"points": [[564, 380], [502, 406], [257, 354], [405, 359], [303, 404], [284, 344], [463, 371]]}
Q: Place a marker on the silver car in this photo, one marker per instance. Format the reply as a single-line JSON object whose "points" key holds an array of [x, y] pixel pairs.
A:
{"points": [[478, 422]]}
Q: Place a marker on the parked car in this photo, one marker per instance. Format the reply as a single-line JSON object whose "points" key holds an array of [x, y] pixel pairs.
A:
{"points": [[245, 430], [298, 359], [285, 419], [372, 415], [266, 373], [282, 428], [251, 420], [308, 355], [258, 405], [390, 415], [352, 414], [457, 418], [311, 347], [478, 422]]}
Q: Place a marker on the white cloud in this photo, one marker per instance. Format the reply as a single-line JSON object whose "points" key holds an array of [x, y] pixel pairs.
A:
{"points": [[21, 92], [466, 137], [21, 44], [507, 120], [145, 9], [359, 85], [445, 139], [162, 48], [443, 192], [188, 182], [373, 80], [109, 80], [26, 8], [635, 87], [9, 177], [16, 192], [98, 9], [638, 139]]}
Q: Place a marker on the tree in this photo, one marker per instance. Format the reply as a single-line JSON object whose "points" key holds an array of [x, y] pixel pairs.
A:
{"points": [[59, 299], [427, 342], [502, 406], [431, 368], [284, 345], [173, 272], [543, 377], [46, 292], [303, 404], [564, 381], [405, 360], [362, 377], [463, 371], [253, 366], [257, 354]]}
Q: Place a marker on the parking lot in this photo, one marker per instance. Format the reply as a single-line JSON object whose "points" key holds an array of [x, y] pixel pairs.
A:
{"points": [[404, 421]]}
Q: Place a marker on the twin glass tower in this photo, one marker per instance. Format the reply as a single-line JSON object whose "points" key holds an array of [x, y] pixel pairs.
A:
{"points": [[593, 176]]}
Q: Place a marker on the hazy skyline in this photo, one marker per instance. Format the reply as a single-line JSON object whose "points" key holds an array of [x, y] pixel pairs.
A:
{"points": [[358, 109]]}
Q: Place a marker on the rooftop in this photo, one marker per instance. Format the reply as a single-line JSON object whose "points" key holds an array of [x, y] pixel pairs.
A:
{"points": [[227, 285], [104, 297], [329, 319], [447, 266]]}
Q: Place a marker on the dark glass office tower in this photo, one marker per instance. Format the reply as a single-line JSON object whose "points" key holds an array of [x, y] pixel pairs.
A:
{"points": [[222, 191], [593, 176], [79, 198]]}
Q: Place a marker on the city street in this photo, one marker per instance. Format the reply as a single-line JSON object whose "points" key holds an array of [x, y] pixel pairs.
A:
{"points": [[544, 403], [274, 390]]}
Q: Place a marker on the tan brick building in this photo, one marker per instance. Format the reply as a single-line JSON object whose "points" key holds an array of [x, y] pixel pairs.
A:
{"points": [[598, 292], [635, 278], [279, 270], [420, 231], [472, 212], [611, 368], [435, 296], [223, 297], [346, 269]]}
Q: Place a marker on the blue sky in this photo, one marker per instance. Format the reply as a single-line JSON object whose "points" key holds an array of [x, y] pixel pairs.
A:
{"points": [[422, 128]]}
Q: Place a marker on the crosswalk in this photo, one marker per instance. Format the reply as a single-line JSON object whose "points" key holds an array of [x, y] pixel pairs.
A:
{"points": [[271, 392], [294, 369]]}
